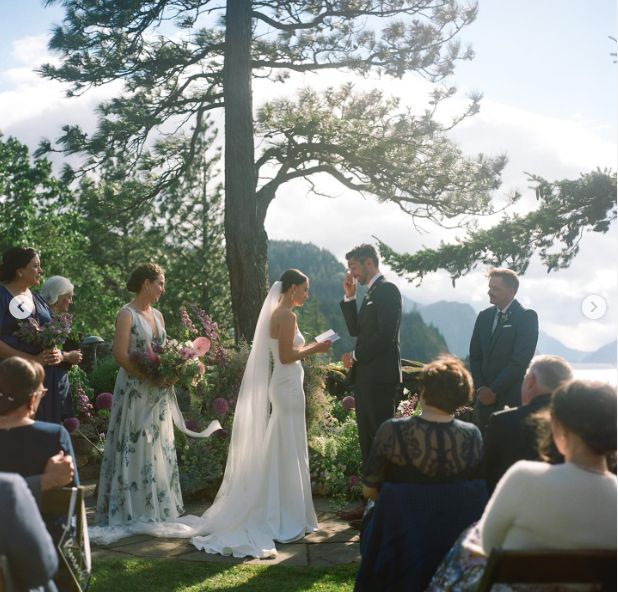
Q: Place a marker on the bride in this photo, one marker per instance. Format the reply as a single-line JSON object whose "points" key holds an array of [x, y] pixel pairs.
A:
{"points": [[265, 495]]}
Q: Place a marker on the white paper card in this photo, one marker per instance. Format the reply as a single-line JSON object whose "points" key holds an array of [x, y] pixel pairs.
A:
{"points": [[329, 335]]}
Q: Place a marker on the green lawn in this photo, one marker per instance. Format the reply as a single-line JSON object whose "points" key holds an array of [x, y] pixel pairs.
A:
{"points": [[136, 575]]}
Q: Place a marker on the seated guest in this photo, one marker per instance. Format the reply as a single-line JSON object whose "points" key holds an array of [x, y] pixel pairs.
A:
{"points": [[26, 445], [432, 447], [424, 471], [29, 549], [512, 434], [57, 291], [58, 472], [542, 506]]}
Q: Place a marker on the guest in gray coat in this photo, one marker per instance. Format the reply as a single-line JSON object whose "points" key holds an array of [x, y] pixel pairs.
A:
{"points": [[29, 549]]}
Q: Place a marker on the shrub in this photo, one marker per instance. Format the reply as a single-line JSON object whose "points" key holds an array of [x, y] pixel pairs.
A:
{"points": [[335, 459], [317, 403], [102, 378]]}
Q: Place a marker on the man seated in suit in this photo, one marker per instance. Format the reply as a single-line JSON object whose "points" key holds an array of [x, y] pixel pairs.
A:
{"points": [[502, 345], [511, 434]]}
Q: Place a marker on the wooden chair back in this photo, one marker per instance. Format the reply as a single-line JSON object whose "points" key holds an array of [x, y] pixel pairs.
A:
{"points": [[550, 566], [74, 559]]}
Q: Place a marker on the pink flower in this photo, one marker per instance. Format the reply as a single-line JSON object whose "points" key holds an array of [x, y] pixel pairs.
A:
{"points": [[353, 481], [152, 357], [188, 353], [201, 345], [201, 368], [220, 406], [71, 423], [104, 400], [348, 403]]}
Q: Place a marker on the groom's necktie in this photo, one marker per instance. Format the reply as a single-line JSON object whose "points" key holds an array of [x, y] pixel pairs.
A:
{"points": [[499, 321]]}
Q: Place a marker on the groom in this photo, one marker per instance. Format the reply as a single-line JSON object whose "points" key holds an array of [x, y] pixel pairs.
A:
{"points": [[375, 363]]}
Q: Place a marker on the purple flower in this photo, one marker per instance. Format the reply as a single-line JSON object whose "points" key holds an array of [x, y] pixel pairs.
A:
{"points": [[353, 481], [220, 406], [71, 423], [222, 434], [348, 403], [104, 400], [186, 321], [192, 425]]}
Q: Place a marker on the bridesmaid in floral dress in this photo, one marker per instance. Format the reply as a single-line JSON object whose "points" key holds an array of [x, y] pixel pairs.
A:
{"points": [[139, 488]]}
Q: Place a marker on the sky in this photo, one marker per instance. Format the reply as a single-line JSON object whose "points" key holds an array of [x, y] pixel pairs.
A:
{"points": [[549, 88]]}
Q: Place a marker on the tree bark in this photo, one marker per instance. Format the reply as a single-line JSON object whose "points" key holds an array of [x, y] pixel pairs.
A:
{"points": [[245, 237]]}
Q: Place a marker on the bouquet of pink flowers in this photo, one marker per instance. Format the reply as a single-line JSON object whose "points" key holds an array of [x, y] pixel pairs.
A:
{"points": [[48, 336], [165, 365]]}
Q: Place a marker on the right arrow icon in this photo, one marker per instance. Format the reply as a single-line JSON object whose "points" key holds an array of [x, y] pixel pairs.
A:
{"points": [[594, 307]]}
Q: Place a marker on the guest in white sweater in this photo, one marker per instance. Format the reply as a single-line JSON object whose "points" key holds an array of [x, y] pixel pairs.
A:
{"points": [[568, 506], [540, 506]]}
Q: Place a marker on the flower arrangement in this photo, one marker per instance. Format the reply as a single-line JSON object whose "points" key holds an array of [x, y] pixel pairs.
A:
{"points": [[409, 406], [165, 365], [208, 328], [47, 336]]}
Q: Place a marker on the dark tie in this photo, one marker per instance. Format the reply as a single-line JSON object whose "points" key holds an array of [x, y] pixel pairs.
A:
{"points": [[500, 320]]}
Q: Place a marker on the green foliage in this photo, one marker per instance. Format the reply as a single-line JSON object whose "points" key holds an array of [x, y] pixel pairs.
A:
{"points": [[78, 379], [567, 210], [334, 457], [317, 402], [369, 144], [103, 376], [419, 341]]}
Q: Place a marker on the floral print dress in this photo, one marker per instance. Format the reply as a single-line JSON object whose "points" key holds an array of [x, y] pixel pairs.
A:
{"points": [[139, 474]]}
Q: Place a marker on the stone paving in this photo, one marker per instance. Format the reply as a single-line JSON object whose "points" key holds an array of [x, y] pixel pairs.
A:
{"points": [[334, 543]]}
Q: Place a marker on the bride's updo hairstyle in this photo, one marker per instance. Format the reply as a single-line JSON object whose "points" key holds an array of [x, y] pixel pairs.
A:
{"points": [[292, 277], [143, 272], [19, 380], [588, 409]]}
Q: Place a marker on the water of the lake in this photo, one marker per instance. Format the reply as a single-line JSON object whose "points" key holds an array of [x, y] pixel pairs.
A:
{"points": [[596, 372]]}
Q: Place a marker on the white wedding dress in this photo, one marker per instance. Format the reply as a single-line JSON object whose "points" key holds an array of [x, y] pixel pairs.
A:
{"points": [[266, 491]]}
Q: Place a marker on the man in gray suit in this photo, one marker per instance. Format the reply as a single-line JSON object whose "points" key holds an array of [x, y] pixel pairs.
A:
{"points": [[503, 343]]}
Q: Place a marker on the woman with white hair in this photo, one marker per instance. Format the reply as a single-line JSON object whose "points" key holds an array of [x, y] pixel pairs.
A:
{"points": [[57, 291]]}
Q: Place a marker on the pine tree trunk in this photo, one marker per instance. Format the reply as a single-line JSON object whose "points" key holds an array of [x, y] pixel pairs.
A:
{"points": [[246, 240]]}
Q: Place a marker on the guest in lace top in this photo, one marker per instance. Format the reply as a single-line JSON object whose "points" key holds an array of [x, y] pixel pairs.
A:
{"points": [[433, 447]]}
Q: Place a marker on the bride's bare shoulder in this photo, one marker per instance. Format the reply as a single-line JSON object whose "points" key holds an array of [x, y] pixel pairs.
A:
{"points": [[282, 317]]}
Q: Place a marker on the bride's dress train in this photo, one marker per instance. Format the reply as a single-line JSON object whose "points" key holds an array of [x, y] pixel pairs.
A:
{"points": [[266, 492]]}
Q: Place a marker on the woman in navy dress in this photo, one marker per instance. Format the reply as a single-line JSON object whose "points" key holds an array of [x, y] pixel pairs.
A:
{"points": [[19, 272], [57, 292]]}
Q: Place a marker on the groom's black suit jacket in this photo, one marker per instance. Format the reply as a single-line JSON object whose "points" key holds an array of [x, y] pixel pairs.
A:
{"points": [[500, 360], [376, 328]]}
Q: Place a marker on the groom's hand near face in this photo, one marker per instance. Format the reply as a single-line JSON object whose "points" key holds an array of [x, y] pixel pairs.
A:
{"points": [[349, 285]]}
